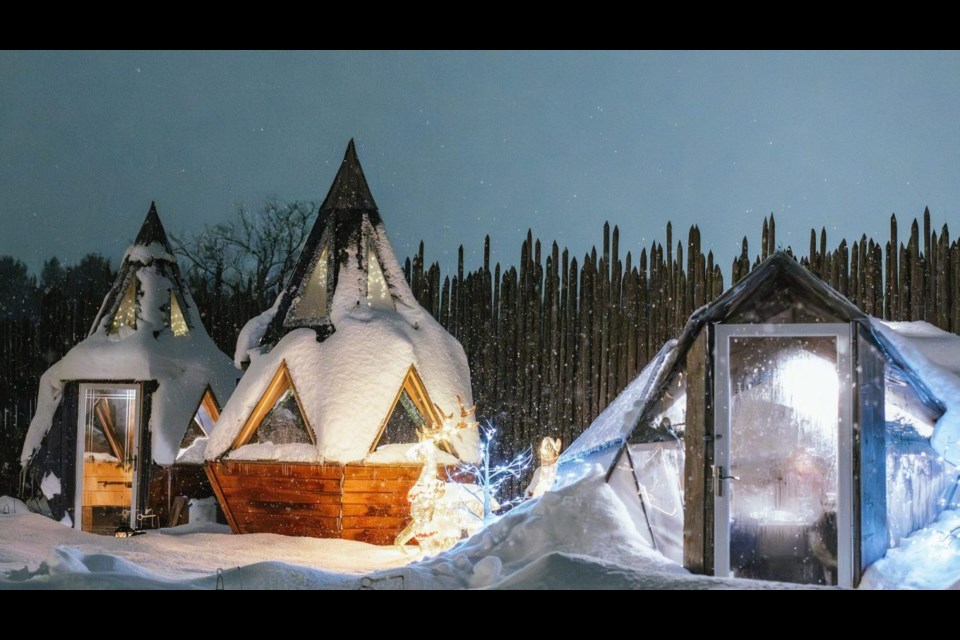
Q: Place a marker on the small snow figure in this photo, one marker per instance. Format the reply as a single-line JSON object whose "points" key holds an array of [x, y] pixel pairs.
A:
{"points": [[544, 476]]}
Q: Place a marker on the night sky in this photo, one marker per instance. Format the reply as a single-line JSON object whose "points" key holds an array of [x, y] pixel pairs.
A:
{"points": [[456, 146]]}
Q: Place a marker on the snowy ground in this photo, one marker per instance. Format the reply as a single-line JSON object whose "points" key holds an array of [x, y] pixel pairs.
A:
{"points": [[575, 538]]}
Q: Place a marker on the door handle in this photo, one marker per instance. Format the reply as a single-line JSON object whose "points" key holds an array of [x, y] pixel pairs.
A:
{"points": [[721, 477]]}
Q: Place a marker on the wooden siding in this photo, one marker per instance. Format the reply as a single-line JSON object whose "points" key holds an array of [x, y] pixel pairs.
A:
{"points": [[353, 502]]}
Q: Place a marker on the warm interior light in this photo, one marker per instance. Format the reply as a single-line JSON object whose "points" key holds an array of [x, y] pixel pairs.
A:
{"points": [[126, 315], [378, 293], [178, 323], [810, 385], [313, 301]]}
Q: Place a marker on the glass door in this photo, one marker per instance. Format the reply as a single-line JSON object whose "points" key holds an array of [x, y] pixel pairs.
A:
{"points": [[108, 445], [782, 478]]}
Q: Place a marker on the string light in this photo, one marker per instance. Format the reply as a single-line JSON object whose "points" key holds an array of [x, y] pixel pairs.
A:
{"points": [[435, 524], [126, 315], [178, 323], [491, 478]]}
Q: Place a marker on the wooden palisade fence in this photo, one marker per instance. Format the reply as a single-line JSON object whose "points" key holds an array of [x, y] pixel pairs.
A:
{"points": [[554, 339]]}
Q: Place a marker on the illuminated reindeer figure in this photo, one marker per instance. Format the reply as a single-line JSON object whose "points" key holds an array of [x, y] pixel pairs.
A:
{"points": [[433, 526]]}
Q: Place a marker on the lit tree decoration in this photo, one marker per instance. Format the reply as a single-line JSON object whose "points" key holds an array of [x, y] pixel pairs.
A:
{"points": [[491, 478], [436, 523]]}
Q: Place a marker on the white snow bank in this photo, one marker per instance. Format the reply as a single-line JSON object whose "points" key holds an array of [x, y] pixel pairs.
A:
{"points": [[50, 486], [11, 506], [292, 452], [934, 356], [403, 454], [586, 519], [252, 332], [203, 511], [578, 538], [195, 550], [182, 365], [194, 453], [927, 559]]}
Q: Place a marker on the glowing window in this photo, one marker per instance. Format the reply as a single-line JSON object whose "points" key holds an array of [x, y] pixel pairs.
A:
{"points": [[378, 292], [178, 324], [314, 295], [126, 314]]}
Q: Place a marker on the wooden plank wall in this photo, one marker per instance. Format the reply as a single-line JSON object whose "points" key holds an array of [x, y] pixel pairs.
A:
{"points": [[355, 502], [553, 340]]}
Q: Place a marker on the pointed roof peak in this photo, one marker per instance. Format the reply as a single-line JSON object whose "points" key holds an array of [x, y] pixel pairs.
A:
{"points": [[152, 230], [349, 189]]}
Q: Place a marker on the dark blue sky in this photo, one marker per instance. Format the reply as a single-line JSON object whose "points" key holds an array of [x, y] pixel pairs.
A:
{"points": [[456, 146]]}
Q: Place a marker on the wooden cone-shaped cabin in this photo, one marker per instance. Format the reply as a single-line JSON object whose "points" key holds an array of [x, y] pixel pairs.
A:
{"points": [[123, 417], [784, 436], [342, 372]]}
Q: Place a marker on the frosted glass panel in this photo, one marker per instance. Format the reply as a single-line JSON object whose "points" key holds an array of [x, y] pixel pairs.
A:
{"points": [[784, 426], [658, 467]]}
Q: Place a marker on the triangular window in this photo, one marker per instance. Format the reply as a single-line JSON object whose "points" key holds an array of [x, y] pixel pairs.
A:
{"points": [[279, 417], [378, 291], [410, 411], [178, 323], [200, 426], [126, 314], [314, 301]]}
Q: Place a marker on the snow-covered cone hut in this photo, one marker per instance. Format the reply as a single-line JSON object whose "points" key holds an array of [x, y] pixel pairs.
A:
{"points": [[122, 418], [785, 435], [342, 372]]}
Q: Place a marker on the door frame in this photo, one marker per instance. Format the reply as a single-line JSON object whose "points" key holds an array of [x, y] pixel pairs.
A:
{"points": [[845, 439], [82, 389]]}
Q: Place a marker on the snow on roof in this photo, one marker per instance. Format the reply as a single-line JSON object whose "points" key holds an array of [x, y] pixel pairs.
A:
{"points": [[183, 366], [252, 332], [615, 423], [928, 353], [347, 384], [933, 356], [348, 368]]}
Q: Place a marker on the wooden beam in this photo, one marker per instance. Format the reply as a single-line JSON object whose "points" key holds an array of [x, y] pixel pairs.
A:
{"points": [[698, 444]]}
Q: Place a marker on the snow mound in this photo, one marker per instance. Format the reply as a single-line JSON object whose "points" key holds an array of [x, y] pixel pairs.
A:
{"points": [[927, 559], [50, 485], [403, 454], [252, 331], [11, 506]]}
